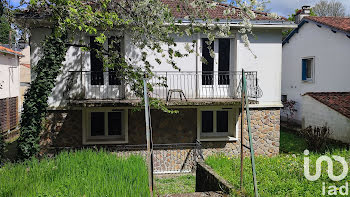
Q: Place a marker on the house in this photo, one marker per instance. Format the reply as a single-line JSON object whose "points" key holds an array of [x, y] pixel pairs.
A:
{"points": [[9, 88], [315, 59], [25, 72], [91, 107], [331, 109]]}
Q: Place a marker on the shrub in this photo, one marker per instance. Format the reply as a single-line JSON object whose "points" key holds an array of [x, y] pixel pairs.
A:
{"points": [[316, 137], [289, 109]]}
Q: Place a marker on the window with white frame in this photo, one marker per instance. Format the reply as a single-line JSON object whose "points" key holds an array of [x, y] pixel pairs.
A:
{"points": [[104, 126], [216, 123], [222, 50], [308, 69]]}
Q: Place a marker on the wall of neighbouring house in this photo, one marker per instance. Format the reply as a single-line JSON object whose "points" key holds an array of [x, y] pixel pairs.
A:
{"points": [[315, 113], [25, 74], [331, 53], [9, 91], [266, 46], [64, 129]]}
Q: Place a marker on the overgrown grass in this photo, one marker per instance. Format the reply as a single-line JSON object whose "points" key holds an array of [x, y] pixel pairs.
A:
{"points": [[80, 173], [175, 185], [282, 175]]}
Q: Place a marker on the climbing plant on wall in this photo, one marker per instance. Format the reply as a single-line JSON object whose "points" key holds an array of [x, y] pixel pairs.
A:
{"points": [[35, 105]]}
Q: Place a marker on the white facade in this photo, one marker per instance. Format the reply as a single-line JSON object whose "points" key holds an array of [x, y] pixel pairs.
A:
{"points": [[266, 46], [330, 53], [315, 113], [9, 76]]}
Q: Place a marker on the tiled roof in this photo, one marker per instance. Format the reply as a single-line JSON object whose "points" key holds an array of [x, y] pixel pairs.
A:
{"points": [[217, 12], [10, 51], [340, 23], [26, 65], [338, 101]]}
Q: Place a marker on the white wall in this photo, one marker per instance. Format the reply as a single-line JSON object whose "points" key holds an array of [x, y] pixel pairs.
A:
{"points": [[332, 66], [314, 113], [9, 76], [266, 46], [268, 49]]}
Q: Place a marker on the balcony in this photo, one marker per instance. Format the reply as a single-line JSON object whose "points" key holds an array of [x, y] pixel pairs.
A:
{"points": [[173, 86]]}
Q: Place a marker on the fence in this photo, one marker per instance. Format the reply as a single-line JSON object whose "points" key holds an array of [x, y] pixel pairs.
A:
{"points": [[166, 85], [8, 113]]}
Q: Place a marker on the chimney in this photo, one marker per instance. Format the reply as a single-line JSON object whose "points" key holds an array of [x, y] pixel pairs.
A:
{"points": [[305, 11]]}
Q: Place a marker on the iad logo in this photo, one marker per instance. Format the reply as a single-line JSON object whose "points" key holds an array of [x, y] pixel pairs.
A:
{"points": [[330, 167]]}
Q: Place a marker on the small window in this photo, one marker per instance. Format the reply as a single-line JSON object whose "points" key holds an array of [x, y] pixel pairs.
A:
{"points": [[284, 98], [105, 126], [215, 123], [307, 69]]}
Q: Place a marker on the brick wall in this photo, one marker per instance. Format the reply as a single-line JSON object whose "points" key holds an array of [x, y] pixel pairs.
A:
{"points": [[8, 113]]}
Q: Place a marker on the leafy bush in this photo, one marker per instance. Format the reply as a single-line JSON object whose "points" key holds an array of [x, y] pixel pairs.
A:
{"points": [[80, 173], [316, 137], [289, 109]]}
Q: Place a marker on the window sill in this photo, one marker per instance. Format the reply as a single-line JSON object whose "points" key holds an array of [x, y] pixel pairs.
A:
{"points": [[104, 141], [218, 139]]}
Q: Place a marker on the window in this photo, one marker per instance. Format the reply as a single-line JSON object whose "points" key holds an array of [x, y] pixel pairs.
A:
{"points": [[208, 65], [105, 126], [307, 69], [284, 98], [222, 67], [96, 63], [114, 44], [216, 124]]}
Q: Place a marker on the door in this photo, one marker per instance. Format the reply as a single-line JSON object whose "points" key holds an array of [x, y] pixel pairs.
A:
{"points": [[102, 84], [215, 77]]}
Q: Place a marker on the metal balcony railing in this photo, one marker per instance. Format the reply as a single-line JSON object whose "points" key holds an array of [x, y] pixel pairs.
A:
{"points": [[94, 85]]}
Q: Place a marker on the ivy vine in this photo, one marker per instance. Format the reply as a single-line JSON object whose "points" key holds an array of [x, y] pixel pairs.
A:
{"points": [[35, 102]]}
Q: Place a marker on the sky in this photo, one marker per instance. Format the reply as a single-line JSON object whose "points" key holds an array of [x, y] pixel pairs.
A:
{"points": [[281, 7], [287, 7]]}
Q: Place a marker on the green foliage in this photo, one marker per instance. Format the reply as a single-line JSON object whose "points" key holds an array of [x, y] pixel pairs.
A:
{"points": [[282, 175], [35, 104], [290, 142], [5, 29], [80, 173], [291, 17], [2, 147]]}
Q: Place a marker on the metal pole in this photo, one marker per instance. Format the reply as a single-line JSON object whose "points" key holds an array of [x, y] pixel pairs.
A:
{"points": [[250, 139], [242, 127], [148, 137]]}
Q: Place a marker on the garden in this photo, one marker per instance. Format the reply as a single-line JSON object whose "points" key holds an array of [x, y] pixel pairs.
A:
{"points": [[283, 175]]}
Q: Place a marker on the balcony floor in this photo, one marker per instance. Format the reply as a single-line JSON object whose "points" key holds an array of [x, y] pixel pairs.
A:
{"points": [[173, 102]]}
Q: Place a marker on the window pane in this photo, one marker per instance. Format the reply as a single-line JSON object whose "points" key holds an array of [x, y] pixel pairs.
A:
{"points": [[114, 44], [96, 63], [309, 68], [222, 121], [97, 123], [207, 121], [224, 61], [114, 123], [208, 67]]}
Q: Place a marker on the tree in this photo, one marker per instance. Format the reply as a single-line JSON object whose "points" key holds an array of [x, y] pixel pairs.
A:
{"points": [[149, 27], [329, 8]]}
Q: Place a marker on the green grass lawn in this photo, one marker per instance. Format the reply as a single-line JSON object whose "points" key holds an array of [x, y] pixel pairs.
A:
{"points": [[175, 185], [281, 175], [81, 173]]}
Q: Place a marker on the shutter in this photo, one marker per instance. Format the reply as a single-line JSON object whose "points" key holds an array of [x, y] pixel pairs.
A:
{"points": [[303, 69]]}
